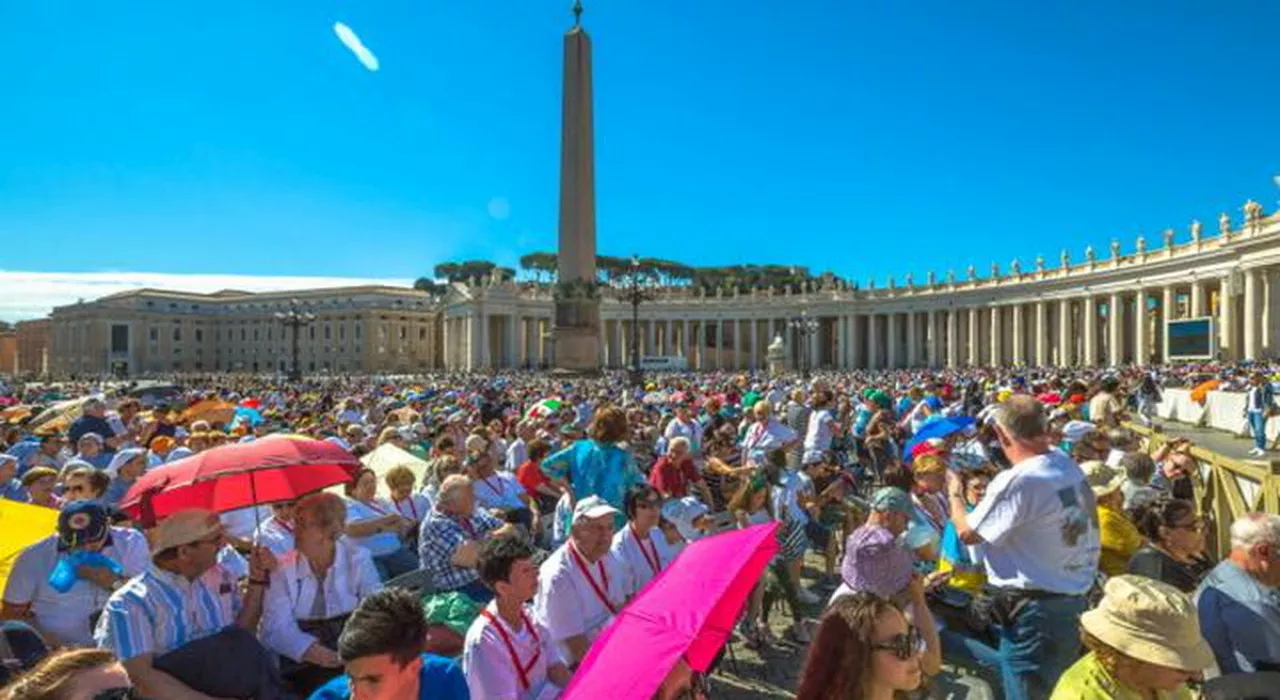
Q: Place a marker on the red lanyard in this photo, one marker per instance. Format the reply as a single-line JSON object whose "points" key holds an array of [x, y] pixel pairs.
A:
{"points": [[412, 507], [653, 561], [595, 587], [521, 668]]}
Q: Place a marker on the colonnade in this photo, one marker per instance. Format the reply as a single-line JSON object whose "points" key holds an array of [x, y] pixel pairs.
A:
{"points": [[1104, 325]]}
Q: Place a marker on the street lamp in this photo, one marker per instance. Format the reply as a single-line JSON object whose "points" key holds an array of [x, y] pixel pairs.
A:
{"points": [[804, 328], [636, 293], [297, 320]]}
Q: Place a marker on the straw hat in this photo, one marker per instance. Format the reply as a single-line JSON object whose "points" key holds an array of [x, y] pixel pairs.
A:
{"points": [[1102, 479], [184, 527], [1150, 621]]}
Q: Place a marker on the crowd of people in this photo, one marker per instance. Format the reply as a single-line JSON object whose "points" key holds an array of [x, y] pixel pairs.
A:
{"points": [[1000, 519]]}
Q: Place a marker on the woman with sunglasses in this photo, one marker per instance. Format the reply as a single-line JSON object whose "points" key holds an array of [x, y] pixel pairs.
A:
{"points": [[74, 674], [864, 649], [1174, 552], [635, 546]]}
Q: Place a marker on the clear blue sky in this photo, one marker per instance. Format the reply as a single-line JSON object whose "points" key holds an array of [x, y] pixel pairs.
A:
{"points": [[864, 137]]}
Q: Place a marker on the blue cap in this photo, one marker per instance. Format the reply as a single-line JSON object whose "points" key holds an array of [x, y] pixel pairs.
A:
{"points": [[82, 522], [889, 499]]}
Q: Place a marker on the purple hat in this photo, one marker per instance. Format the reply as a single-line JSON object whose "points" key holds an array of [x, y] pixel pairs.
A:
{"points": [[875, 562]]}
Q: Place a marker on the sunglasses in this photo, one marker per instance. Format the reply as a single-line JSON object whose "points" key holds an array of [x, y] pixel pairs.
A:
{"points": [[904, 646]]}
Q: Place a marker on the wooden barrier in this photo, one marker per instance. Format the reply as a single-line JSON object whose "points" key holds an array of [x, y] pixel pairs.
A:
{"points": [[1226, 488]]}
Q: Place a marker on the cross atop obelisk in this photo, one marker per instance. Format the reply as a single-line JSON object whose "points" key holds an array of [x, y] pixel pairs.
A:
{"points": [[577, 324]]}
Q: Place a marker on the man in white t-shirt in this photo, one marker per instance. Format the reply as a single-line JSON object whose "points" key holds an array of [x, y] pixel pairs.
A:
{"points": [[507, 654], [579, 585], [1037, 530], [65, 618]]}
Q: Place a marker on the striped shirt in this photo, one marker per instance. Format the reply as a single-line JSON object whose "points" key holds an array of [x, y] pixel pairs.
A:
{"points": [[159, 611]]}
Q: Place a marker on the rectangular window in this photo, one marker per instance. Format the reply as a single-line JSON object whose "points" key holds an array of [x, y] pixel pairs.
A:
{"points": [[404, 332], [177, 335], [119, 338], [153, 334], [199, 336], [358, 331], [328, 332]]}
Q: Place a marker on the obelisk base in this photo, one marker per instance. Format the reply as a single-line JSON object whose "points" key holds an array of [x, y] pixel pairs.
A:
{"points": [[577, 351]]}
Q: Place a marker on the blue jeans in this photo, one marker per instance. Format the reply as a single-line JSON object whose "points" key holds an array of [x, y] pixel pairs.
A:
{"points": [[1258, 424], [1033, 652]]}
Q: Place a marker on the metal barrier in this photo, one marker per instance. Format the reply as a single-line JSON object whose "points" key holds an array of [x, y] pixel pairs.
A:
{"points": [[1226, 488]]}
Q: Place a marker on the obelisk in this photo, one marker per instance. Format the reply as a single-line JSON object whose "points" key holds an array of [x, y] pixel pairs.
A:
{"points": [[577, 324]]}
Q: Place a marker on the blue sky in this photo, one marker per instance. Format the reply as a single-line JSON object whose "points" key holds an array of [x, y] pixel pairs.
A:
{"points": [[242, 138]]}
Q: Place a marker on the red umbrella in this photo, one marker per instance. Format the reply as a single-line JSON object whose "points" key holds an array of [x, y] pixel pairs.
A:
{"points": [[270, 470]]}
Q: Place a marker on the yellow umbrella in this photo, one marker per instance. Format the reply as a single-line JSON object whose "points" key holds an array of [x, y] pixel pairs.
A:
{"points": [[23, 525]]}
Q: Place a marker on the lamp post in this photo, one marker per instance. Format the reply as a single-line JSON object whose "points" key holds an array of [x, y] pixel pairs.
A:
{"points": [[636, 293], [297, 320], [804, 328]]}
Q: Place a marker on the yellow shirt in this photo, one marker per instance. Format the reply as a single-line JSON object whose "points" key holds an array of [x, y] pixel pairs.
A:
{"points": [[1120, 539], [1088, 680]]}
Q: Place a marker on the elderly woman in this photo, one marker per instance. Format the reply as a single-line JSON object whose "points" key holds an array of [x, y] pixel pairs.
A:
{"points": [[1144, 642], [1174, 552], [313, 590], [125, 468], [596, 466], [375, 525], [40, 483], [400, 481], [499, 492], [89, 448]]}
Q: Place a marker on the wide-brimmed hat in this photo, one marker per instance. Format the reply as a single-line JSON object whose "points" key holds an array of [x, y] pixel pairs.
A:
{"points": [[1104, 480], [184, 527], [1150, 621], [875, 561]]}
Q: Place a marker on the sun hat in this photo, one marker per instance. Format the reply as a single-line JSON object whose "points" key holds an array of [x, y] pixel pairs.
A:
{"points": [[592, 507], [1150, 621], [1104, 480], [82, 522], [874, 561], [122, 458], [184, 527], [1074, 431], [890, 499]]}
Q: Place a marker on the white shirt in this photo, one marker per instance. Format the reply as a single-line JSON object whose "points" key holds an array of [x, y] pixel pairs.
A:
{"points": [[517, 453], [786, 501], [379, 544], [566, 603], [763, 437], [276, 536], [691, 430], [489, 668], [636, 559], [66, 615], [292, 595], [817, 439], [1039, 526], [241, 523], [499, 490], [415, 507]]}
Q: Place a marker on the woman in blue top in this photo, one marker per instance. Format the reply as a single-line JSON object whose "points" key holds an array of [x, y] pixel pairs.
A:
{"points": [[596, 466]]}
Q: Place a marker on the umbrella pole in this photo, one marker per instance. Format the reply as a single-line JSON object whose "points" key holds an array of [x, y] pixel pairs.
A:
{"points": [[253, 493]]}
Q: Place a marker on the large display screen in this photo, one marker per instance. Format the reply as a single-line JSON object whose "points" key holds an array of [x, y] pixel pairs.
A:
{"points": [[1190, 338]]}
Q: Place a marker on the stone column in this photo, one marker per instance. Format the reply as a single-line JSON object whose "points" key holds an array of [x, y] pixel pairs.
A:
{"points": [[1197, 299], [1066, 340], [1019, 337], [815, 345], [686, 344], [913, 340], [1090, 331], [891, 341], [1115, 333], [872, 343], [953, 338], [1168, 312], [1268, 342], [719, 362], [1226, 320], [736, 362], [931, 337], [620, 357], [997, 356], [1251, 345], [445, 338], [513, 340], [1141, 350], [1042, 334], [854, 346], [975, 351], [754, 326]]}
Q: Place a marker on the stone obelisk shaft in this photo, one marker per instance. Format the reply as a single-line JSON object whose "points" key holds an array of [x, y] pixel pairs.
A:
{"points": [[577, 335]]}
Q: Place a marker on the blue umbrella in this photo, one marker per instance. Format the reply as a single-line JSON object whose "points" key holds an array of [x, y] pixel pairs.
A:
{"points": [[938, 428]]}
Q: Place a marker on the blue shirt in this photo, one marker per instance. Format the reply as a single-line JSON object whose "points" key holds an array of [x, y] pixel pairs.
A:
{"points": [[14, 491], [1239, 618], [440, 679], [595, 469]]}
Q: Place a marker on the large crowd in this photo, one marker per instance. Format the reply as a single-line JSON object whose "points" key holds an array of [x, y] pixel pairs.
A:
{"points": [[1001, 519]]}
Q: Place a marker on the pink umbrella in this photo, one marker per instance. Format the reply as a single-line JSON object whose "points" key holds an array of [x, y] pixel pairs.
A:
{"points": [[689, 610]]}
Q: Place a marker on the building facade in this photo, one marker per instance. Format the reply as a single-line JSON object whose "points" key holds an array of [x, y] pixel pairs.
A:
{"points": [[1100, 311], [1103, 310], [33, 346], [147, 331]]}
